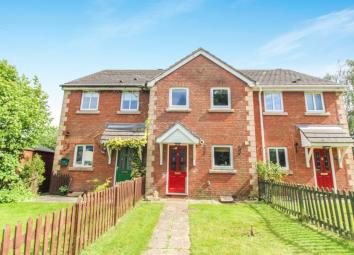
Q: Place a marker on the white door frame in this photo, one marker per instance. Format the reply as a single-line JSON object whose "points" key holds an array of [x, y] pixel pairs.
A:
{"points": [[187, 170]]}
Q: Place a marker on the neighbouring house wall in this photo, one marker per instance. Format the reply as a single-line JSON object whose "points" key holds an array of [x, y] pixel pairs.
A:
{"points": [[200, 75], [281, 131], [79, 128]]}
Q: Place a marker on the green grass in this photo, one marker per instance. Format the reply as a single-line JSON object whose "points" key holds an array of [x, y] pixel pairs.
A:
{"points": [[131, 235], [225, 229], [12, 213]]}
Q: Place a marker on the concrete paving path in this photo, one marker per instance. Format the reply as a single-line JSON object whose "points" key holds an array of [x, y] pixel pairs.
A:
{"points": [[171, 234]]}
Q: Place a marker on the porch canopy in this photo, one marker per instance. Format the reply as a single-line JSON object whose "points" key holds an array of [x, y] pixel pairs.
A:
{"points": [[178, 134], [317, 136], [122, 131]]}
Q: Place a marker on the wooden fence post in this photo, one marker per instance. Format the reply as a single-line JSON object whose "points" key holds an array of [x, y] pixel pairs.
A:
{"points": [[6, 240], [301, 203]]}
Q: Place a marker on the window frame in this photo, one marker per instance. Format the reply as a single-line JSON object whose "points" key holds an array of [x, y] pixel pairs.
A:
{"points": [[171, 106], [121, 101], [214, 167], [75, 155], [82, 100], [313, 98], [286, 155], [265, 102], [218, 107]]}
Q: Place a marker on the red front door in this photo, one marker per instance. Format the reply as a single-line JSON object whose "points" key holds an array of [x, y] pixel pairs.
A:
{"points": [[177, 169], [323, 168]]}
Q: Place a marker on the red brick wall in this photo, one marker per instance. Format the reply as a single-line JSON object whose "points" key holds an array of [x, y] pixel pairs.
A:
{"points": [[87, 129], [281, 131], [199, 76]]}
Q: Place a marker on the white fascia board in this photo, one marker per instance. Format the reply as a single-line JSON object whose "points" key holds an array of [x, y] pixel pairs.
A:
{"points": [[208, 56], [92, 88], [177, 128]]}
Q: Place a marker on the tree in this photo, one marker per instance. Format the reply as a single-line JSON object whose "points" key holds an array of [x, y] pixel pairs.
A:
{"points": [[345, 76], [49, 138], [24, 117]]}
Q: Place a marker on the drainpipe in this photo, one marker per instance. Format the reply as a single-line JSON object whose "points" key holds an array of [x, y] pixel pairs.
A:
{"points": [[262, 125]]}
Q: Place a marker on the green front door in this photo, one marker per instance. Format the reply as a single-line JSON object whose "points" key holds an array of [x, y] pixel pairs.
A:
{"points": [[124, 170]]}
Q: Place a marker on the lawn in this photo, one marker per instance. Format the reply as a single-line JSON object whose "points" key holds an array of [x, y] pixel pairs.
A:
{"points": [[131, 235], [13, 212], [225, 229]]}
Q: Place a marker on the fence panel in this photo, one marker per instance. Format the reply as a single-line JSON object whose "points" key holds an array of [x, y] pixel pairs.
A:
{"points": [[74, 228], [333, 210]]}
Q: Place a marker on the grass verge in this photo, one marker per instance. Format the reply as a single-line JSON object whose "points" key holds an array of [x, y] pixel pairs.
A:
{"points": [[131, 235], [226, 229]]}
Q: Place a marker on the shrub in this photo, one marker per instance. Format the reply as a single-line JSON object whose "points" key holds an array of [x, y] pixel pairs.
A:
{"points": [[97, 186], [64, 189], [270, 172], [32, 173], [138, 168], [17, 192], [8, 165]]}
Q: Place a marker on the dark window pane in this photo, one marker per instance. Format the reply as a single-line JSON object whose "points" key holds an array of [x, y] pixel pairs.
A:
{"points": [[79, 154], [133, 105], [125, 105], [273, 155], [182, 160], [318, 160], [179, 97], [281, 157], [269, 102], [222, 156], [220, 97], [173, 159]]}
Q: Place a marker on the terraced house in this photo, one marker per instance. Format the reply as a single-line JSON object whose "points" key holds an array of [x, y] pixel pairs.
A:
{"points": [[209, 124]]}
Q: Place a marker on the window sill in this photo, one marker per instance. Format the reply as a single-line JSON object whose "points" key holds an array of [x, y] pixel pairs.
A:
{"points": [[222, 171], [276, 113], [221, 110], [317, 113], [128, 112], [178, 110], [81, 169], [87, 112]]}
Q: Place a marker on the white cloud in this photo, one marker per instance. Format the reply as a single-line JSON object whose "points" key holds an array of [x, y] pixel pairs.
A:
{"points": [[330, 26]]}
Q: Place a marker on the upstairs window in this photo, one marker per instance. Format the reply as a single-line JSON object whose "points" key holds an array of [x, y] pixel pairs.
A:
{"points": [[130, 101], [273, 102], [89, 101], [220, 98], [279, 155], [179, 98], [314, 102], [83, 155]]}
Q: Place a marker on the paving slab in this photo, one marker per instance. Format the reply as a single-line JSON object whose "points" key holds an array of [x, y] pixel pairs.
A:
{"points": [[171, 234]]}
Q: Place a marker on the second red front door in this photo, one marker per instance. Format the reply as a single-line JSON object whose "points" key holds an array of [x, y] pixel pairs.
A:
{"points": [[323, 168], [177, 169]]}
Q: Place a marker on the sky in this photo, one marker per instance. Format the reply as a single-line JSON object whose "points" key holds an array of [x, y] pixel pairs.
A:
{"points": [[63, 40]]}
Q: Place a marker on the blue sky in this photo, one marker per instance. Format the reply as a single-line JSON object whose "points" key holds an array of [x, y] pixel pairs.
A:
{"points": [[63, 40]]}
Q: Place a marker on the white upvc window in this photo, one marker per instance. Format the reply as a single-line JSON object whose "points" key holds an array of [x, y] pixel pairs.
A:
{"points": [[314, 102], [179, 98], [89, 101], [222, 157], [83, 155], [220, 98], [273, 102], [129, 101], [278, 155]]}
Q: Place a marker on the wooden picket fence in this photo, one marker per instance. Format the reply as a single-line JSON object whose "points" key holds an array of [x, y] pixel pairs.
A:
{"points": [[332, 210], [74, 228]]}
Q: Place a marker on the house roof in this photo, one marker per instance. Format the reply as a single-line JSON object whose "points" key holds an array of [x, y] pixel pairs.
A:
{"points": [[138, 78], [324, 135], [124, 78]]}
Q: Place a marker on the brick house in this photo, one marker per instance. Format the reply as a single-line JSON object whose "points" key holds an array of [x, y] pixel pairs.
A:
{"points": [[209, 124]]}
